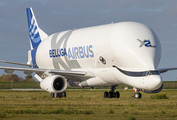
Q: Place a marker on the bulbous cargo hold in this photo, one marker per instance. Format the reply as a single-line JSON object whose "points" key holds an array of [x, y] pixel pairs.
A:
{"points": [[135, 46], [88, 44]]}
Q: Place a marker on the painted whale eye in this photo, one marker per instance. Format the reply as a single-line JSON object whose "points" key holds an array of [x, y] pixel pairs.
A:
{"points": [[102, 60]]}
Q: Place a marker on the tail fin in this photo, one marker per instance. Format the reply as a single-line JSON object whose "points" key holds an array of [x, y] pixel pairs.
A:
{"points": [[36, 36]]}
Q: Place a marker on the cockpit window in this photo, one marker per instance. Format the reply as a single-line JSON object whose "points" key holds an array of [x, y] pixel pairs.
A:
{"points": [[138, 74], [154, 72]]}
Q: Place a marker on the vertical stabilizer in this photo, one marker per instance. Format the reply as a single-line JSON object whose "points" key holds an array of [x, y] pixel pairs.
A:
{"points": [[33, 28], [36, 35]]}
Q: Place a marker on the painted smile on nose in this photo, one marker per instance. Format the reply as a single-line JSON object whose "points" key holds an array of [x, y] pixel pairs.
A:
{"points": [[138, 74]]}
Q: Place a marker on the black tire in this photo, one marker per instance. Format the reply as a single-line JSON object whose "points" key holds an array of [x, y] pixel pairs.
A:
{"points": [[117, 95], [105, 94], [63, 94], [140, 95], [57, 95], [52, 95], [110, 94], [137, 95], [60, 95]]}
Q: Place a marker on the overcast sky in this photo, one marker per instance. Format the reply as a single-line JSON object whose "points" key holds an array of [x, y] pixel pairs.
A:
{"points": [[59, 15]]}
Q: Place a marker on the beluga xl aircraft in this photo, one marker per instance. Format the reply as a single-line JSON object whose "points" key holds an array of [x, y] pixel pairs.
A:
{"points": [[106, 55]]}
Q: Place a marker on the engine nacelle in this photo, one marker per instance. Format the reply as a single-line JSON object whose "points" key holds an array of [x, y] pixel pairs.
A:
{"points": [[54, 84], [154, 91]]}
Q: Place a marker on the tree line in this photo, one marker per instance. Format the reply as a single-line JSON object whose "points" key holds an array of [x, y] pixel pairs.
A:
{"points": [[15, 78]]}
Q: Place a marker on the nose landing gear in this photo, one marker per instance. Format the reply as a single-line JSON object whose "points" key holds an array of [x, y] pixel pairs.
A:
{"points": [[137, 94], [111, 93]]}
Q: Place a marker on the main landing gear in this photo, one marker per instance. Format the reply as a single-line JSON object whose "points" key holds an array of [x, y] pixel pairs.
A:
{"points": [[111, 93], [58, 95], [137, 94]]}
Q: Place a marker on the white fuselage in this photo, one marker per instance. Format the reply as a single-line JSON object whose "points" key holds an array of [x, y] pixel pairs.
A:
{"points": [[129, 46]]}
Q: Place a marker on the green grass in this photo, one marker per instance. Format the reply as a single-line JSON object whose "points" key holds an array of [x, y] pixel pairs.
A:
{"points": [[111, 111], [56, 111], [86, 104], [170, 81], [159, 96]]}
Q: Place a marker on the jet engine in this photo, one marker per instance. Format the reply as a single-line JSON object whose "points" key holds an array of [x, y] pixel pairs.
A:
{"points": [[154, 91], [54, 84]]}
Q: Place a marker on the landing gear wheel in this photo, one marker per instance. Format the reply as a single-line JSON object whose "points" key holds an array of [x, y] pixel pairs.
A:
{"points": [[58, 95], [140, 95], [52, 95], [105, 94], [110, 94], [137, 95], [117, 95], [63, 94]]}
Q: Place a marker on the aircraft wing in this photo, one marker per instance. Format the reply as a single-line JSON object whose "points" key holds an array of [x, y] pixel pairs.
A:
{"points": [[72, 75], [16, 63], [166, 69]]}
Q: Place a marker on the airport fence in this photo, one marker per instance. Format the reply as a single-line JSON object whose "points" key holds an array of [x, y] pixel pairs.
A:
{"points": [[36, 85]]}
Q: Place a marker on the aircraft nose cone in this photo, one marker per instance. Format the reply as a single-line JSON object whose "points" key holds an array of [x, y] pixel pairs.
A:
{"points": [[154, 82]]}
